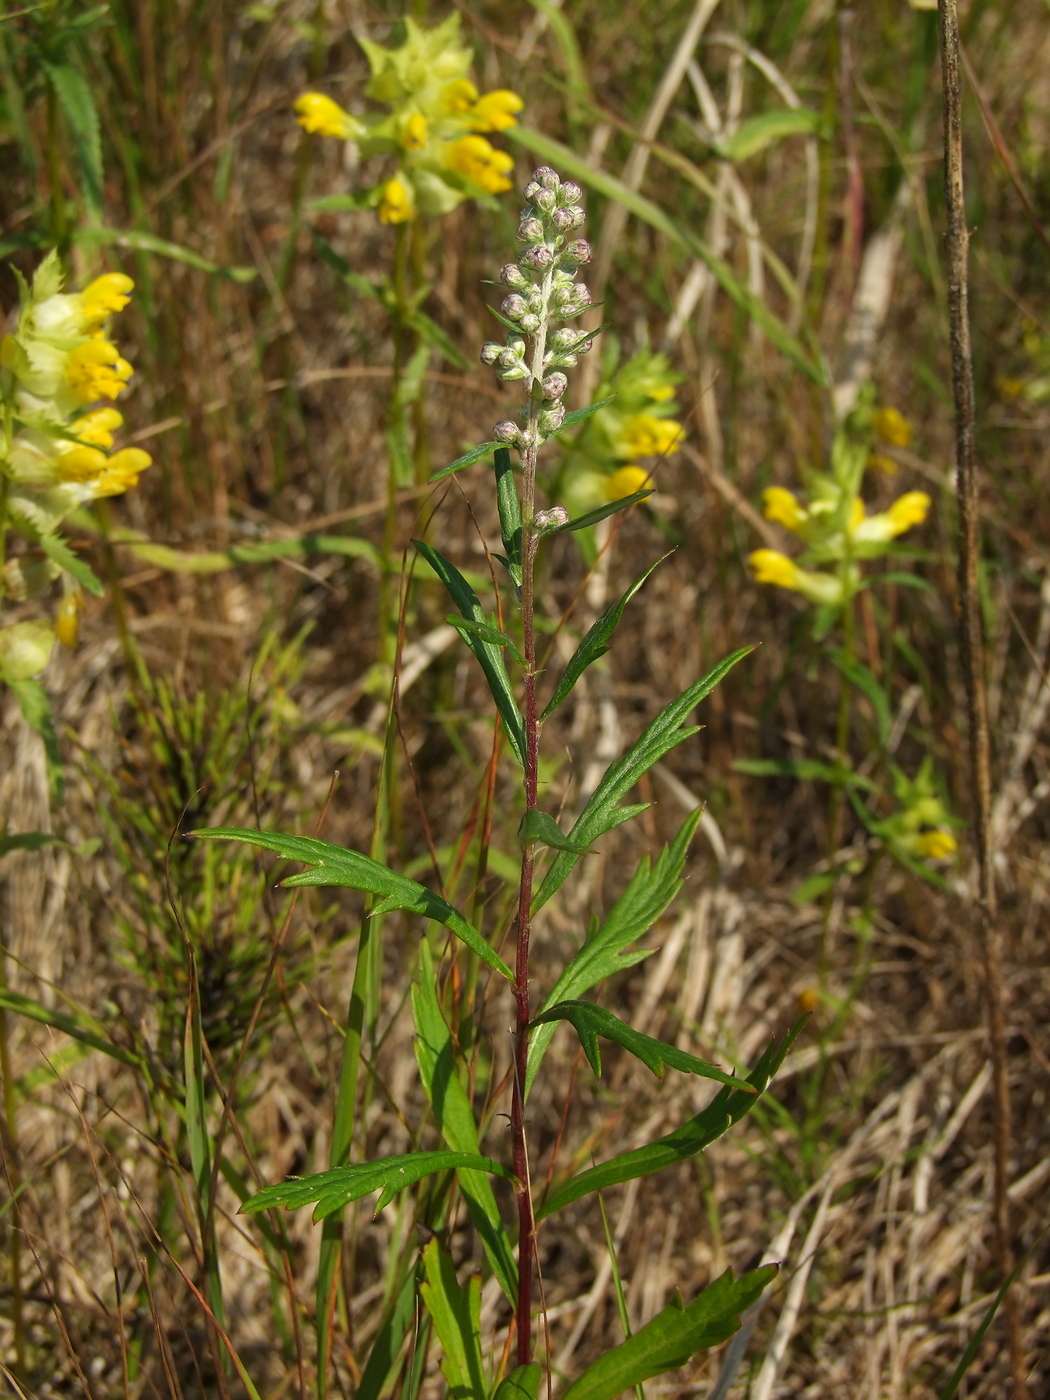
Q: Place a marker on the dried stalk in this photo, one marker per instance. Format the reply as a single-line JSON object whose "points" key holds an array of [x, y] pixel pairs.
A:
{"points": [[972, 648]]}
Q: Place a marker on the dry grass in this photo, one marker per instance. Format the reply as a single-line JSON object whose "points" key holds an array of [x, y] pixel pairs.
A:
{"points": [[264, 404]]}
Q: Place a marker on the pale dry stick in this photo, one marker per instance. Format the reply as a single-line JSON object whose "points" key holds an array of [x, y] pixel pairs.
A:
{"points": [[972, 648], [1035, 702]]}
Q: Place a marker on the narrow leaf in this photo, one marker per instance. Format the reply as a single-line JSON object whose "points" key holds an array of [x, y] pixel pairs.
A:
{"points": [[509, 511], [604, 950], [674, 1335], [139, 241], [74, 95], [474, 455], [75, 1026], [456, 1312], [865, 681], [725, 1109], [434, 336], [805, 770], [593, 645], [593, 516], [537, 826], [662, 734], [489, 656], [486, 633], [757, 133], [591, 1021], [333, 865], [579, 414]]}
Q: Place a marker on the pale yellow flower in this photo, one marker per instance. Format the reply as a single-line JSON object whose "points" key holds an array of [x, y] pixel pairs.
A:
{"points": [[106, 296], [480, 162], [647, 436], [891, 426], [936, 845], [459, 97], [96, 370], [782, 506], [122, 471], [496, 111], [415, 133], [908, 510], [396, 207], [318, 113], [625, 482], [97, 427], [771, 566]]}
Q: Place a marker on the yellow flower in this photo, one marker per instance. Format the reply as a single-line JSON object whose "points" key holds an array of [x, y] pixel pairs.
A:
{"points": [[908, 510], [480, 162], [122, 471], [459, 96], [891, 426], [97, 427], [936, 845], [95, 370], [625, 482], [496, 111], [647, 436], [771, 566], [82, 463], [782, 507], [396, 207], [415, 133], [67, 623], [318, 113], [105, 296]]}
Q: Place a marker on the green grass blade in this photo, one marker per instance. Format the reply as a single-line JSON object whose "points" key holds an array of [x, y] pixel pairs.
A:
{"points": [[76, 1027]]}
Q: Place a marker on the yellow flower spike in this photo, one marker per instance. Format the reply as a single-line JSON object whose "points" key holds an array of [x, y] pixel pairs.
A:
{"points": [[908, 510], [95, 370], [647, 436], [770, 566], [626, 481], [782, 507], [891, 426], [496, 111], [479, 161], [396, 207], [97, 427], [459, 97], [318, 113], [67, 623], [82, 464], [105, 296], [415, 134], [122, 471], [936, 845]]}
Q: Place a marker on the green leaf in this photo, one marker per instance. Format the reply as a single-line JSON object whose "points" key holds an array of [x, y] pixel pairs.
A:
{"points": [[337, 1187], [726, 1108], [162, 556], [76, 1026], [537, 826], [56, 548], [567, 160], [74, 95], [455, 1119], [604, 951], [523, 1383], [865, 681], [593, 645], [591, 1021], [486, 633], [806, 770], [674, 1335], [36, 708], [456, 1313], [364, 286], [30, 841], [662, 734], [432, 334], [333, 865], [139, 241], [490, 656], [474, 455], [757, 133], [509, 513], [593, 516], [579, 414]]}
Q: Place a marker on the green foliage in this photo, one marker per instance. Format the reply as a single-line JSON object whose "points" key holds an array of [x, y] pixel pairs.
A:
{"points": [[456, 1313]]}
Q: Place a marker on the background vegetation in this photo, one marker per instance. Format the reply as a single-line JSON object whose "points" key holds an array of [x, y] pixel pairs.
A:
{"points": [[244, 651]]}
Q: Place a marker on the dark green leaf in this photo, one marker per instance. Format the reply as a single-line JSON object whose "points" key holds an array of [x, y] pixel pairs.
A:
{"points": [[333, 865], [486, 634], [337, 1187], [456, 1312], [674, 1335], [865, 681], [523, 1383], [603, 954], [36, 708], [593, 516], [537, 826], [75, 98], [490, 656], [661, 735], [579, 414], [474, 455], [593, 645], [509, 512], [591, 1021], [726, 1108]]}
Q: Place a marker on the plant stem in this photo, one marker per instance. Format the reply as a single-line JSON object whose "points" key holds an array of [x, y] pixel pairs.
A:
{"points": [[972, 647]]}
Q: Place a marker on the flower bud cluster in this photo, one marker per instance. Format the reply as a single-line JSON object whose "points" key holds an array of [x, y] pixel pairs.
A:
{"points": [[542, 289]]}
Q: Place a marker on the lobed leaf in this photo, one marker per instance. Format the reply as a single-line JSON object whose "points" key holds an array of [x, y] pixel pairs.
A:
{"points": [[331, 1190], [674, 1335], [540, 827], [490, 656], [725, 1109], [336, 866], [593, 645], [591, 1021], [661, 735]]}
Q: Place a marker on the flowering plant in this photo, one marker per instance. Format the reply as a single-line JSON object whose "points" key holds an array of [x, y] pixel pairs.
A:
{"points": [[435, 126]]}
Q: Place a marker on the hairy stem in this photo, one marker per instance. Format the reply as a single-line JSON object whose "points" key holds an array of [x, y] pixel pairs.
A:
{"points": [[972, 648]]}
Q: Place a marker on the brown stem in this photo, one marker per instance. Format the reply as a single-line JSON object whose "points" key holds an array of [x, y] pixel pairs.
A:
{"points": [[972, 648]]}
